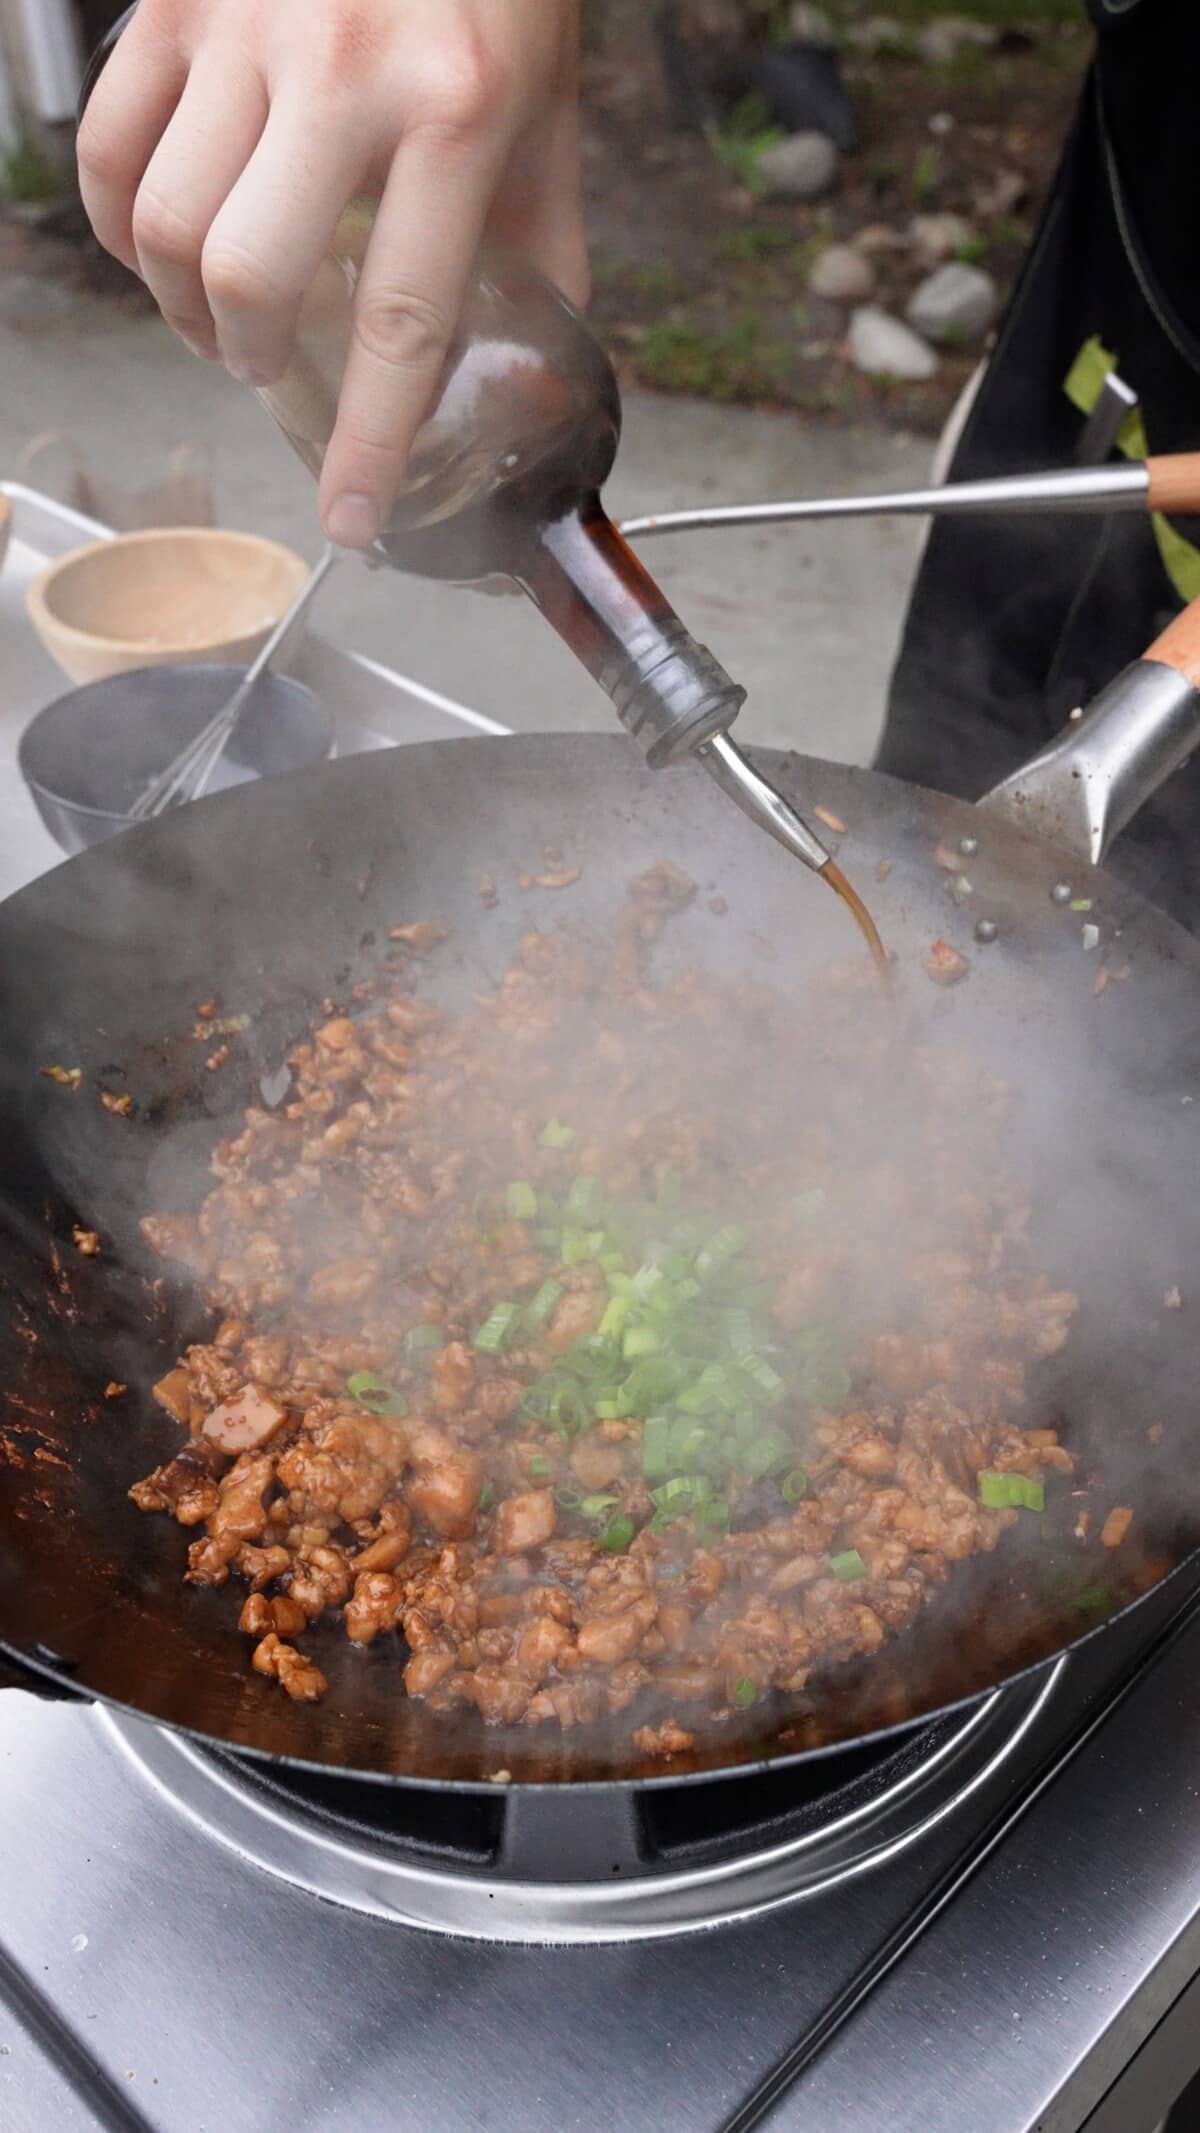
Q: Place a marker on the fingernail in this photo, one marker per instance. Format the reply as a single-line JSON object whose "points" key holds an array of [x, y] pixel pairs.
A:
{"points": [[353, 521]]}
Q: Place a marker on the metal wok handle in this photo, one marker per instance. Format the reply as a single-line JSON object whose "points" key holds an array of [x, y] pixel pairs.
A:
{"points": [[1083, 788]]}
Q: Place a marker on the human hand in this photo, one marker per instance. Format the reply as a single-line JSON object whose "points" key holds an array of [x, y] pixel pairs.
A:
{"points": [[225, 138]]}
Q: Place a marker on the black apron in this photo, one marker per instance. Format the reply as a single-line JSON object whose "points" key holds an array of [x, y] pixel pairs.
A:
{"points": [[1014, 622]]}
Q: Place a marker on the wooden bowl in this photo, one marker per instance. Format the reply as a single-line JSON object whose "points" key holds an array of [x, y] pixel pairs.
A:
{"points": [[190, 594]]}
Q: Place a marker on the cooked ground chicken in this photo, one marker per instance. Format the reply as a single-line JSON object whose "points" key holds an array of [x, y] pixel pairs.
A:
{"points": [[351, 1453]]}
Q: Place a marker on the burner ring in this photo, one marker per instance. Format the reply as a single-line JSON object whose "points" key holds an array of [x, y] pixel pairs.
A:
{"points": [[630, 1897]]}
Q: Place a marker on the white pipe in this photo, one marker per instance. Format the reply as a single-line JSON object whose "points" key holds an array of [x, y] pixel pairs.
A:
{"points": [[53, 55]]}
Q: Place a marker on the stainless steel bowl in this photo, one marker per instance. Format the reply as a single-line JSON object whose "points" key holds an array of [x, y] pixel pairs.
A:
{"points": [[87, 756]]}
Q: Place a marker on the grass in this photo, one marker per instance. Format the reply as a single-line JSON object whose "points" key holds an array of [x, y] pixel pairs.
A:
{"points": [[755, 241], [1001, 14], [739, 362], [742, 139], [28, 176], [927, 173]]}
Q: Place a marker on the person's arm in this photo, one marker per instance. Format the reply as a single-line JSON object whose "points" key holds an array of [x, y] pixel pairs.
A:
{"points": [[225, 138]]}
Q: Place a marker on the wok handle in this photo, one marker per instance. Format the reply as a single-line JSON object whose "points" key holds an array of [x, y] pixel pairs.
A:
{"points": [[1082, 789], [1174, 485], [1179, 645]]}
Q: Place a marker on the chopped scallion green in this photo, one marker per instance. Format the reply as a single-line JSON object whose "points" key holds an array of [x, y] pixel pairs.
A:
{"points": [[794, 1485], [656, 1445], [640, 1340], [615, 1314], [538, 1467], [744, 1692], [584, 1198], [617, 1534], [596, 1506], [848, 1566], [422, 1341], [724, 1245], [498, 1328], [376, 1394], [522, 1202], [1010, 1492], [556, 1135], [542, 1306], [487, 1496]]}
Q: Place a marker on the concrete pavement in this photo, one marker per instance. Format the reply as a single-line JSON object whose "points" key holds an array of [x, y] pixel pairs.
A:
{"points": [[806, 617]]}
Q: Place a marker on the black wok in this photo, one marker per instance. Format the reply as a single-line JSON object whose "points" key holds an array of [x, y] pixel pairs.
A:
{"points": [[275, 896]]}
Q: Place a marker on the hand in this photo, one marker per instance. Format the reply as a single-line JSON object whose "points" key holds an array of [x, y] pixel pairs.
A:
{"points": [[225, 138]]}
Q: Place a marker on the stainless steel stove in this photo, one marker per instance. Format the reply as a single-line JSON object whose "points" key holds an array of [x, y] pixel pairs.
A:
{"points": [[991, 1925]]}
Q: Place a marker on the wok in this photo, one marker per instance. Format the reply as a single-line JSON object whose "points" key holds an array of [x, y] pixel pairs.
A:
{"points": [[275, 896]]}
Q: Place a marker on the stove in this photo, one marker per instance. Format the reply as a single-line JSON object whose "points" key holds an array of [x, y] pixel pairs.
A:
{"points": [[990, 1924]]}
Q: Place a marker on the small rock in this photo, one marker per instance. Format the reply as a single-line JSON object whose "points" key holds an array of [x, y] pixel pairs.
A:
{"points": [[999, 196], [955, 304], [811, 25], [843, 274], [883, 347], [938, 237], [941, 41], [30, 305], [879, 33], [800, 167], [879, 237]]}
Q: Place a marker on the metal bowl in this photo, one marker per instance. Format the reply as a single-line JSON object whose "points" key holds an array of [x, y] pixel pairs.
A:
{"points": [[88, 755]]}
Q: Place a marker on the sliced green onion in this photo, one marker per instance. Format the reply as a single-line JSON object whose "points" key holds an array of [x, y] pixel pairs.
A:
{"points": [[555, 1135], [547, 1240], [848, 1566], [542, 1305], [487, 1496], [744, 1692], [609, 1409], [1080, 903], [538, 1467], [647, 1279], [1095, 1601], [640, 1340], [615, 1314], [423, 1340], [794, 1485], [584, 1198], [715, 1515], [596, 1506], [612, 1262], [765, 1380], [689, 1441], [569, 1412], [740, 1330], [497, 1328], [1010, 1492], [656, 1445], [764, 1452], [375, 1393], [724, 1245], [522, 1202], [617, 1534], [578, 1245]]}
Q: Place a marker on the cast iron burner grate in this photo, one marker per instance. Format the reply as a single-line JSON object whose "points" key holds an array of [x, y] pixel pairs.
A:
{"points": [[578, 1863]]}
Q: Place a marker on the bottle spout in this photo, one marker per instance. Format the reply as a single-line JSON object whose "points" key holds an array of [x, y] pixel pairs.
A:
{"points": [[758, 799]]}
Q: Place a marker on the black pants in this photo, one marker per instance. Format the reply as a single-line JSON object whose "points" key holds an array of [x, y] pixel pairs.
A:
{"points": [[1015, 622]]}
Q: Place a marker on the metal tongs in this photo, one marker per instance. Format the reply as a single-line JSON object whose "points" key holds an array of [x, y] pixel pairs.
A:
{"points": [[1169, 484]]}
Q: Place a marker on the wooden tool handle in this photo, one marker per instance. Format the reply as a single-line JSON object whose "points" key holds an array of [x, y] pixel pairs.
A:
{"points": [[1174, 483], [1179, 645]]}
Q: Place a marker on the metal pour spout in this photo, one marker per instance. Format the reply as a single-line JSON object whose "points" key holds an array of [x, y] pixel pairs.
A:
{"points": [[728, 767]]}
